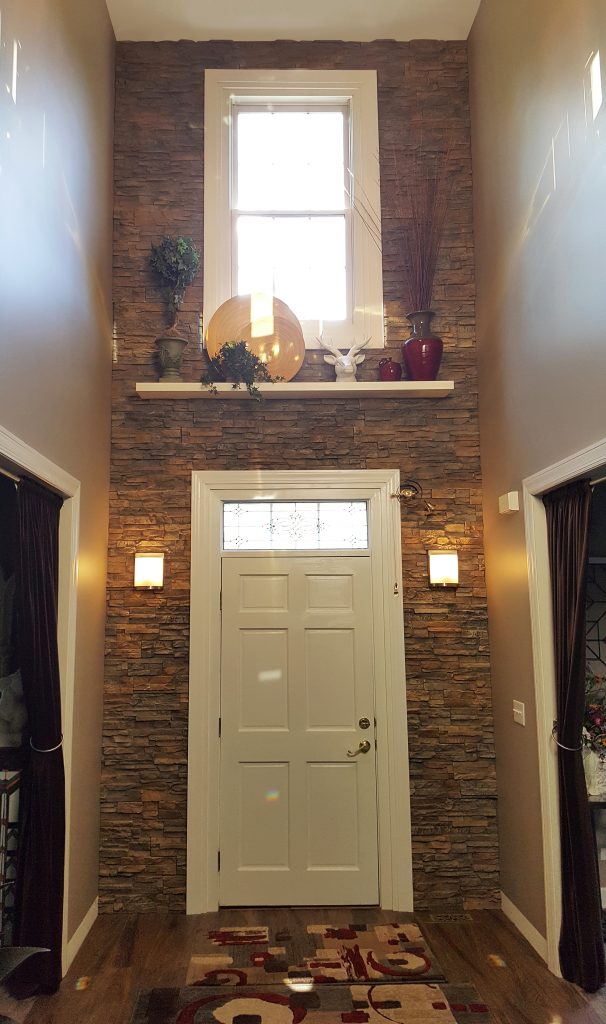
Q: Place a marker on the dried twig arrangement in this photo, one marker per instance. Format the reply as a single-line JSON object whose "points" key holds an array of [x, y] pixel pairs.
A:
{"points": [[426, 197], [362, 205]]}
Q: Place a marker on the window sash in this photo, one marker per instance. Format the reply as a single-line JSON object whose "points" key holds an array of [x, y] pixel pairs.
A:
{"points": [[307, 324], [345, 211], [287, 106]]}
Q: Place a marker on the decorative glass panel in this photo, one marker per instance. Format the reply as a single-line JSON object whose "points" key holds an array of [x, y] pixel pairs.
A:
{"points": [[294, 525]]}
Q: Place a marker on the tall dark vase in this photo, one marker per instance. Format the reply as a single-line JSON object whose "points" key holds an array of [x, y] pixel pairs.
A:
{"points": [[422, 352]]}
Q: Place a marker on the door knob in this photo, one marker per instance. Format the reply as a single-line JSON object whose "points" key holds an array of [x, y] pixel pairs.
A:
{"points": [[362, 749]]}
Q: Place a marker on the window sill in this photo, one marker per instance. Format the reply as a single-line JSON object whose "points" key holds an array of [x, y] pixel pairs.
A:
{"points": [[305, 390]]}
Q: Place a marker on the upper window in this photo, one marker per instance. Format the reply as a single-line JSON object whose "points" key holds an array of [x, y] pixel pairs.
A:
{"points": [[292, 197]]}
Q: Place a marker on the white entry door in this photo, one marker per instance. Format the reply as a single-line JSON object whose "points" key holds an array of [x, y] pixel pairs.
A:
{"points": [[298, 814]]}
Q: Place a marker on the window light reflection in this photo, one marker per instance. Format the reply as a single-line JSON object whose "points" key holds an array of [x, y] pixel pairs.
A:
{"points": [[261, 315], [270, 676], [595, 78]]}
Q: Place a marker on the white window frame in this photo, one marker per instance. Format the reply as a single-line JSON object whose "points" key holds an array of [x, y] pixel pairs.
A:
{"points": [[356, 89]]}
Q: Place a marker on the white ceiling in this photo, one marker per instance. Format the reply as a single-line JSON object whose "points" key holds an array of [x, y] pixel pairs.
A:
{"points": [[292, 19]]}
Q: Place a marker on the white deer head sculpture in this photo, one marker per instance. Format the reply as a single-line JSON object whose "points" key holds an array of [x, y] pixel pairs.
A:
{"points": [[345, 364]]}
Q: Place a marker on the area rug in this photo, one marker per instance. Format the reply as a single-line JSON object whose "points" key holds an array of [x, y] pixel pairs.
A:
{"points": [[321, 953], [327, 1004]]}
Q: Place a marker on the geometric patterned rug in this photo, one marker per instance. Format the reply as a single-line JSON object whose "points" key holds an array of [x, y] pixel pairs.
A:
{"points": [[327, 1004], [359, 973], [322, 954]]}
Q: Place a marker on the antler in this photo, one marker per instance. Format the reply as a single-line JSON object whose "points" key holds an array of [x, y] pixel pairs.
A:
{"points": [[328, 345], [355, 348]]}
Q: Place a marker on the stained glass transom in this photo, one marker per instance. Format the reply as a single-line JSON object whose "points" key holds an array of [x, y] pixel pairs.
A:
{"points": [[294, 525]]}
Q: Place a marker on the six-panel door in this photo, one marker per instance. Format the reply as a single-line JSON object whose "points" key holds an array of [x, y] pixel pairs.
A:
{"points": [[298, 816]]}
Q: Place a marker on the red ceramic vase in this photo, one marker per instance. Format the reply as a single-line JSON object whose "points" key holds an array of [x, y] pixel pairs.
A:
{"points": [[389, 370], [422, 352]]}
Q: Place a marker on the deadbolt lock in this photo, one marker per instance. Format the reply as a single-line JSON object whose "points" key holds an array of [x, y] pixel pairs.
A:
{"points": [[364, 723]]}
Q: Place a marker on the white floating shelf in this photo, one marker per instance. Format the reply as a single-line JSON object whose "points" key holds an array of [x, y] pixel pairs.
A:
{"points": [[307, 389]]}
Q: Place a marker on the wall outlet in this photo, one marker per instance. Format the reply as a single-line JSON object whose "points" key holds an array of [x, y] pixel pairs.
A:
{"points": [[519, 712]]}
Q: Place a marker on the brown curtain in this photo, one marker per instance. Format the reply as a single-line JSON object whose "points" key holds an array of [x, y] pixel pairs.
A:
{"points": [[39, 889], [581, 944]]}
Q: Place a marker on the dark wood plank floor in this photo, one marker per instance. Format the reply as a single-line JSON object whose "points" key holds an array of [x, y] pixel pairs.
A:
{"points": [[127, 952]]}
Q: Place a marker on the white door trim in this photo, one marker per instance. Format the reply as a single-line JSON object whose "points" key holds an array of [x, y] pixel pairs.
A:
{"points": [[20, 457], [580, 464], [209, 490]]}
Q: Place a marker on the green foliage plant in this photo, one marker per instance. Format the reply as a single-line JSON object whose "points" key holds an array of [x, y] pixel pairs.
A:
{"points": [[236, 363], [594, 722], [175, 263]]}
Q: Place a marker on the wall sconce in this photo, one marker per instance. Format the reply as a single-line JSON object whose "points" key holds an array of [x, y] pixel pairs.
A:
{"points": [[149, 570], [443, 567], [411, 489]]}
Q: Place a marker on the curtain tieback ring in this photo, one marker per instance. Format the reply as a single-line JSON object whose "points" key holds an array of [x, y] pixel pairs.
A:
{"points": [[562, 746], [49, 750]]}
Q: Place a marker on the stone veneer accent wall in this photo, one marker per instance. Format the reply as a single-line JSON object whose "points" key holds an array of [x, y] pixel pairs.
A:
{"points": [[156, 445]]}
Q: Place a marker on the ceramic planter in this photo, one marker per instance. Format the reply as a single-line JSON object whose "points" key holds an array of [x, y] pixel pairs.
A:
{"points": [[170, 353]]}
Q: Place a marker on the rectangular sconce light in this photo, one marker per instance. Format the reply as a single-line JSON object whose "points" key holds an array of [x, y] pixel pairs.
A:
{"points": [[443, 567], [149, 570]]}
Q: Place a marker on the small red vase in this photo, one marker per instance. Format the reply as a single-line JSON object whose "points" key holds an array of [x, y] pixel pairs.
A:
{"points": [[389, 370], [422, 352]]}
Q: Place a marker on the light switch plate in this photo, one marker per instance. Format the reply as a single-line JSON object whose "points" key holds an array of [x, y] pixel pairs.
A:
{"points": [[519, 712]]}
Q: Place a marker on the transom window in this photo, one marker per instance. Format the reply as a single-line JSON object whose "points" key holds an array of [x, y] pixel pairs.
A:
{"points": [[292, 199], [295, 525]]}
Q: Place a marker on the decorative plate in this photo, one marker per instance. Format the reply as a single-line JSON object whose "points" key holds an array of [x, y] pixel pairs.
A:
{"points": [[267, 325]]}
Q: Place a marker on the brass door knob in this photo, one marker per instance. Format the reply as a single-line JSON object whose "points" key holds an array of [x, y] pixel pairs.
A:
{"points": [[362, 749]]}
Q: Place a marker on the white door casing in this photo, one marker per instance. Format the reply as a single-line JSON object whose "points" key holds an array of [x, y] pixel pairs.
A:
{"points": [[581, 464], [209, 491], [21, 458], [298, 816]]}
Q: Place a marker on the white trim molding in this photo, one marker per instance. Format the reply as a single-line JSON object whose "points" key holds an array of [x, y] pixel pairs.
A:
{"points": [[300, 390], [528, 930], [580, 464], [225, 88], [77, 939], [19, 457], [209, 490]]}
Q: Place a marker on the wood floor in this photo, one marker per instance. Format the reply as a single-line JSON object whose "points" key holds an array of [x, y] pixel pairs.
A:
{"points": [[127, 952]]}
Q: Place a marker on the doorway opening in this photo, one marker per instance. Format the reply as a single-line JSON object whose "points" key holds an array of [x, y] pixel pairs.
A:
{"points": [[19, 458], [589, 463]]}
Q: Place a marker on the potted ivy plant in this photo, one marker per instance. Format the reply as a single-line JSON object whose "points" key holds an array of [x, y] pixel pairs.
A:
{"points": [[236, 363], [175, 261]]}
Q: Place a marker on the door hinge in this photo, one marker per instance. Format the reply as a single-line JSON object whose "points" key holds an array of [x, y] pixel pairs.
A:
{"points": [[220, 600], [218, 860], [219, 728]]}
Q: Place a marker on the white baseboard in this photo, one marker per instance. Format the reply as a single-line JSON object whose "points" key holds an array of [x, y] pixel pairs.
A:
{"points": [[72, 947], [528, 930]]}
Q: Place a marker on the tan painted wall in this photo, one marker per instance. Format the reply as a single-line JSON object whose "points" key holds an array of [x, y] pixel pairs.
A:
{"points": [[540, 220], [55, 317]]}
